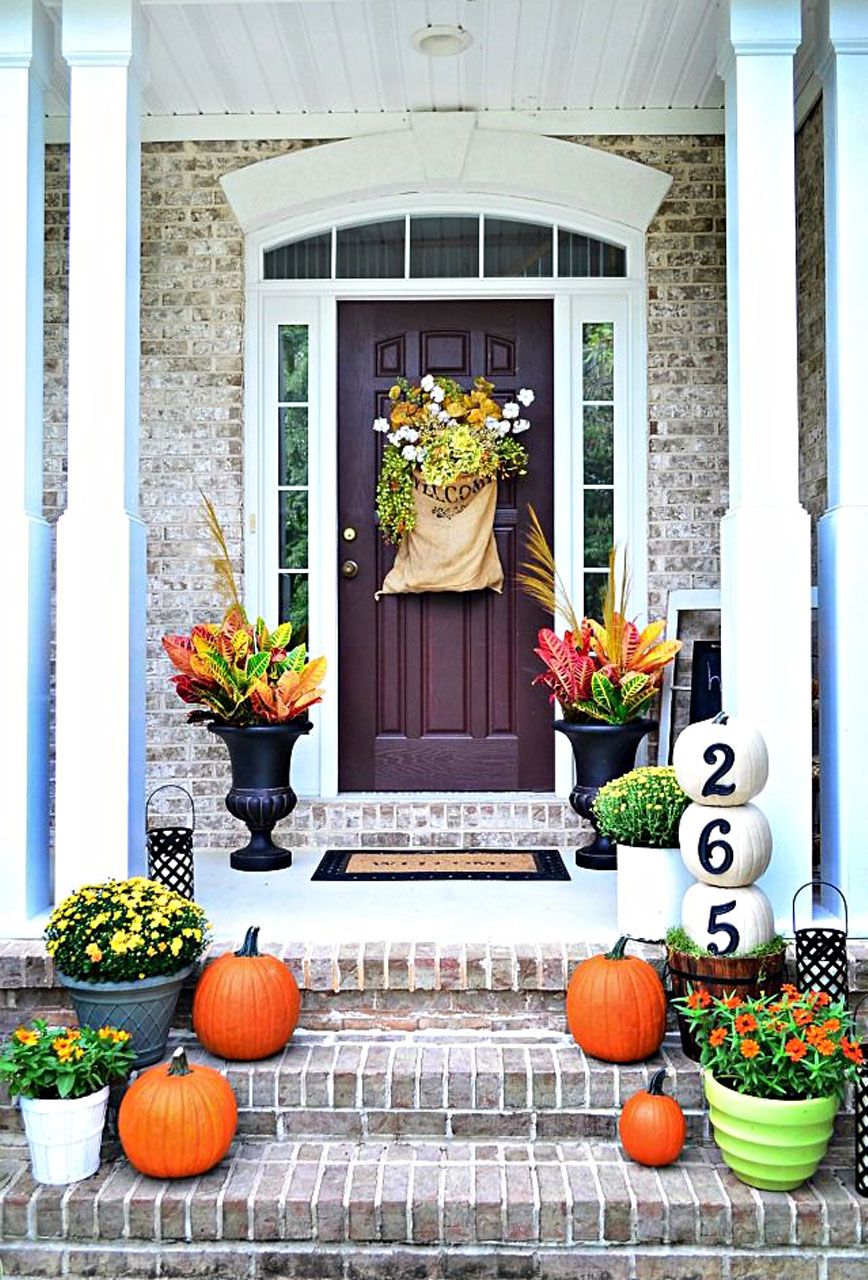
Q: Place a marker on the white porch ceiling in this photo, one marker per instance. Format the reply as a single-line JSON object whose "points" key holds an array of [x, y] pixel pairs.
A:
{"points": [[355, 56], [346, 57]]}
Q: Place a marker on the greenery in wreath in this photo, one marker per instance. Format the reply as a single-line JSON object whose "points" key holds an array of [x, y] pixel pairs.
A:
{"points": [[442, 431]]}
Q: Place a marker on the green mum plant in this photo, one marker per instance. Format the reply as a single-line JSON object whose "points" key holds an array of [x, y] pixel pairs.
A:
{"points": [[122, 930], [795, 1045], [643, 807], [241, 673], [58, 1062]]}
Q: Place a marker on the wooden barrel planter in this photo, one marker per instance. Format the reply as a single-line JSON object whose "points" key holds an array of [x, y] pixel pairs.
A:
{"points": [[747, 976]]}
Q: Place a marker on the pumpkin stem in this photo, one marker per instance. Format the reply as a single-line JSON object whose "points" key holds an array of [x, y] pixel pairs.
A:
{"points": [[722, 717], [248, 946], [617, 952], [655, 1084], [178, 1065]]}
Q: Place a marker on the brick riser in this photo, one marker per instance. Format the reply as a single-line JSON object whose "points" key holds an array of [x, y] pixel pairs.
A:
{"points": [[379, 986]]}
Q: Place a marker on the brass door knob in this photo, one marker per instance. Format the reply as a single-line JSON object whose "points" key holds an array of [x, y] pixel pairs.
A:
{"points": [[349, 568]]}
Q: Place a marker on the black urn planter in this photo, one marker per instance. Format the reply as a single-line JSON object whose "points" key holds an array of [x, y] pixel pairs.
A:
{"points": [[601, 752], [260, 756]]}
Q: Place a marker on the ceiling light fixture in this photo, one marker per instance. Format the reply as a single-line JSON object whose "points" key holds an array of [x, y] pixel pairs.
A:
{"points": [[441, 41]]}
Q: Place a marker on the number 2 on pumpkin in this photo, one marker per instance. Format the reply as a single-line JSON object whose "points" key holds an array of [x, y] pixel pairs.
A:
{"points": [[714, 787], [716, 925], [705, 847]]}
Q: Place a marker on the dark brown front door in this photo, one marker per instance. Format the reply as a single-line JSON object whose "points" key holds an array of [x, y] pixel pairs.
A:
{"points": [[435, 689]]}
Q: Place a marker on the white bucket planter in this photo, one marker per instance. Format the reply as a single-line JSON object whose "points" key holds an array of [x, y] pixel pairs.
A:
{"points": [[64, 1136], [651, 884]]}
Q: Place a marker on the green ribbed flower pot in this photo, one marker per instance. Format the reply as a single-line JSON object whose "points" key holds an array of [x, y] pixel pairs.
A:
{"points": [[143, 1006], [768, 1143]]}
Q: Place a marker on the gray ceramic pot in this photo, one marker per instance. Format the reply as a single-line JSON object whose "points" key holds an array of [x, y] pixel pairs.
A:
{"points": [[144, 1008]]}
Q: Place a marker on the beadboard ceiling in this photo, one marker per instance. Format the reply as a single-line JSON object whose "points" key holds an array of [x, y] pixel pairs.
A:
{"points": [[213, 57]]}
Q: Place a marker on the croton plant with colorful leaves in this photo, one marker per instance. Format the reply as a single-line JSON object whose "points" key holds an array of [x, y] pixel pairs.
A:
{"points": [[605, 671], [240, 674], [788, 1046]]}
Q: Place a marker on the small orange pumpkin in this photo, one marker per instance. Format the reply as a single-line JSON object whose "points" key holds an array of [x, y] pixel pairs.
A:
{"points": [[652, 1126], [616, 1006], [177, 1119], [246, 1005]]}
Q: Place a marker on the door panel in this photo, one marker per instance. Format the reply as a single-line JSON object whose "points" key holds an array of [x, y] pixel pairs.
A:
{"points": [[435, 688]]}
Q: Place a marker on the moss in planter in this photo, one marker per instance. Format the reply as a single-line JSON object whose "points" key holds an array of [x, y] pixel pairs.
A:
{"points": [[679, 939]]}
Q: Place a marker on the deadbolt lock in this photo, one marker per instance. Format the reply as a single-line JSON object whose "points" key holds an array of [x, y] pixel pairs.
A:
{"points": [[349, 568], [349, 534]]}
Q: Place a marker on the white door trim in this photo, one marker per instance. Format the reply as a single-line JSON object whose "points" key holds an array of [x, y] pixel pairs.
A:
{"points": [[314, 302]]}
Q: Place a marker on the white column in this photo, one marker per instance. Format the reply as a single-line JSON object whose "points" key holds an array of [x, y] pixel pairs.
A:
{"points": [[101, 540], [765, 534], [26, 60], [843, 530]]}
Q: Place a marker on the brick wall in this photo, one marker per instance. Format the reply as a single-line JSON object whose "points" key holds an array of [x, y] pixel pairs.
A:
{"points": [[687, 445], [192, 316]]}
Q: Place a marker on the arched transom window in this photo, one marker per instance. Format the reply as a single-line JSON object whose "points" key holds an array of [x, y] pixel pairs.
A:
{"points": [[434, 246]]}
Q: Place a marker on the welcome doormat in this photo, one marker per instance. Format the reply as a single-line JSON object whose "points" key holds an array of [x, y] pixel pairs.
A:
{"points": [[441, 864]]}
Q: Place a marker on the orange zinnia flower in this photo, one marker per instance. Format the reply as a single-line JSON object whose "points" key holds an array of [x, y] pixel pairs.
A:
{"points": [[791, 991], [731, 1002], [717, 1037], [795, 1049], [851, 1050], [802, 1017], [832, 1024], [749, 1048], [699, 999], [821, 998], [745, 1022], [826, 1047], [815, 1034]]}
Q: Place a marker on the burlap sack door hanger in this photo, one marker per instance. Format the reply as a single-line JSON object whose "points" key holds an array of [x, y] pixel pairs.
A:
{"points": [[437, 490]]}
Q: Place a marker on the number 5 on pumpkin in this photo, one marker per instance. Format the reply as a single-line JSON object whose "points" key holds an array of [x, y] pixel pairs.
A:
{"points": [[715, 925]]}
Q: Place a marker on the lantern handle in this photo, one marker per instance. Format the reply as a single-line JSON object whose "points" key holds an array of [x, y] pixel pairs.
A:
{"points": [[854, 1012], [170, 786], [828, 885]]}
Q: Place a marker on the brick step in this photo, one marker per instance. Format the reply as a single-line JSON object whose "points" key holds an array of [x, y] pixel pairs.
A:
{"points": [[271, 1198], [429, 1084], [432, 1086], [378, 986]]}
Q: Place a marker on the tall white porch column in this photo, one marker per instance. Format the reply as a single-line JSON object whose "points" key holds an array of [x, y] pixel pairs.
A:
{"points": [[101, 540], [765, 535], [843, 530], [26, 60]]}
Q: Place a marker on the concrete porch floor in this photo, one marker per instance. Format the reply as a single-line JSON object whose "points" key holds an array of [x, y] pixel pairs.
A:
{"points": [[286, 904]]}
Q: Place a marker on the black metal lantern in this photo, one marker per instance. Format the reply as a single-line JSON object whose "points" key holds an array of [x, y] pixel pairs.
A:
{"points": [[170, 849], [860, 1091], [821, 951]]}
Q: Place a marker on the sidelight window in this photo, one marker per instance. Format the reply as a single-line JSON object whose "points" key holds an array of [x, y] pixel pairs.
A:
{"points": [[293, 477], [598, 458]]}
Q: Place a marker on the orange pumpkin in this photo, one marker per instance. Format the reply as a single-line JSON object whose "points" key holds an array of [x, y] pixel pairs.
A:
{"points": [[616, 1006], [652, 1126], [246, 1005], [177, 1119]]}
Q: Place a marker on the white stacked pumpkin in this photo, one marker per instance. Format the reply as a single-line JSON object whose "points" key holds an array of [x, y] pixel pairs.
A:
{"points": [[726, 842]]}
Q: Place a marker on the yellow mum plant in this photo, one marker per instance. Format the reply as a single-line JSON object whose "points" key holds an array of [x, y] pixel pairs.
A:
{"points": [[122, 930]]}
